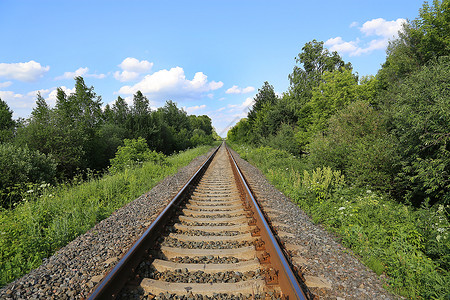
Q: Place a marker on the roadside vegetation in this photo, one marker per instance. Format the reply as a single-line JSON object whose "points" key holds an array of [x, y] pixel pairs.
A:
{"points": [[368, 157], [48, 217]]}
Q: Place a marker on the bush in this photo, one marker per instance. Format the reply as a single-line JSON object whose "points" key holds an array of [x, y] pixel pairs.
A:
{"points": [[421, 121], [134, 153], [22, 168], [357, 143], [284, 139]]}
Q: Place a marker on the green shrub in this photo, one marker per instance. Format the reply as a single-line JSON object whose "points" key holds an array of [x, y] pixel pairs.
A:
{"points": [[133, 153], [357, 143], [22, 170]]}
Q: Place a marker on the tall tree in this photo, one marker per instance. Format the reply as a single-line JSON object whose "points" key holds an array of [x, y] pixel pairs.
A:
{"points": [[6, 122], [419, 41], [265, 97], [121, 111], [315, 60]]}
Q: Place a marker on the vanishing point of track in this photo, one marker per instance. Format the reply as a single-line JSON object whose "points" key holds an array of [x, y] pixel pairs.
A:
{"points": [[211, 241]]}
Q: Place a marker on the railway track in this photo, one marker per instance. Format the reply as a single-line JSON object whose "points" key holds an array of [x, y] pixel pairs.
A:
{"points": [[210, 242]]}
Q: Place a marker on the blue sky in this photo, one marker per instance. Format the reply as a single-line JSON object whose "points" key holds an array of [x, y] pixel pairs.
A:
{"points": [[208, 56]]}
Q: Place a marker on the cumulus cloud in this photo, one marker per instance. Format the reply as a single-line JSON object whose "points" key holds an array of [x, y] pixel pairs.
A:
{"points": [[10, 96], [132, 68], [381, 27], [134, 65], [28, 71], [43, 92], [80, 72], [166, 84], [192, 109], [5, 84], [236, 90], [381, 31]]}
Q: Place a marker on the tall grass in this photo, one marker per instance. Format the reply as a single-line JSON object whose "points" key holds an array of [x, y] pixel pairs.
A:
{"points": [[46, 221], [411, 247]]}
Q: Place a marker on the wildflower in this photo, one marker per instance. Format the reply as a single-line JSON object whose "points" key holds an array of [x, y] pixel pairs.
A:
{"points": [[341, 208]]}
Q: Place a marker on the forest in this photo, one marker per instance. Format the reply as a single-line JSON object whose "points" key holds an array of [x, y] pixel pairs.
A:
{"points": [[368, 157], [78, 137]]}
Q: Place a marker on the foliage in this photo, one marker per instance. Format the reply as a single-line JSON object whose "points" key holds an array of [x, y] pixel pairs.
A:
{"points": [[21, 168], [411, 247], [284, 139], [357, 142], [240, 132], [47, 221], [421, 40], [315, 60], [322, 182], [133, 153], [6, 122], [421, 123]]}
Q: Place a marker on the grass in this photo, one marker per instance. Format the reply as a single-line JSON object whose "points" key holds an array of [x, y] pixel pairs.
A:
{"points": [[46, 221], [411, 247]]}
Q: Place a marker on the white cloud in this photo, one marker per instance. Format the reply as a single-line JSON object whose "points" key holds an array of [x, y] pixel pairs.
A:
{"points": [[80, 72], [379, 28], [167, 84], [354, 24], [132, 68], [192, 109], [43, 92], [5, 84], [28, 71], [236, 90], [125, 75], [9, 96], [133, 65]]}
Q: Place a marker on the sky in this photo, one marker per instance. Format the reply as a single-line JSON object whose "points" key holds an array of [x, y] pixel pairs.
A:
{"points": [[210, 57]]}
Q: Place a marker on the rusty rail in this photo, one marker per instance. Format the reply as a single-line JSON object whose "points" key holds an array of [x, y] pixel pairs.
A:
{"points": [[285, 277]]}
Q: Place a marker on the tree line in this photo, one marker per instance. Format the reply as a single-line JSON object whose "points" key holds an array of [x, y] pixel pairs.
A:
{"points": [[390, 131], [77, 136]]}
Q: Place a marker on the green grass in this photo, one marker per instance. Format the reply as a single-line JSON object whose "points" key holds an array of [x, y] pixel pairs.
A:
{"points": [[410, 246], [46, 221]]}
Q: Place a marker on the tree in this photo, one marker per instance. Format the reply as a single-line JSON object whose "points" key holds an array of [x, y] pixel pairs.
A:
{"points": [[336, 90], [6, 122], [421, 123], [121, 111], [265, 96], [315, 60], [357, 143], [421, 40]]}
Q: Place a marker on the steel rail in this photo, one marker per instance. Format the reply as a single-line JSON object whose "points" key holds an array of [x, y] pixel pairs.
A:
{"points": [[118, 276], [286, 278]]}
